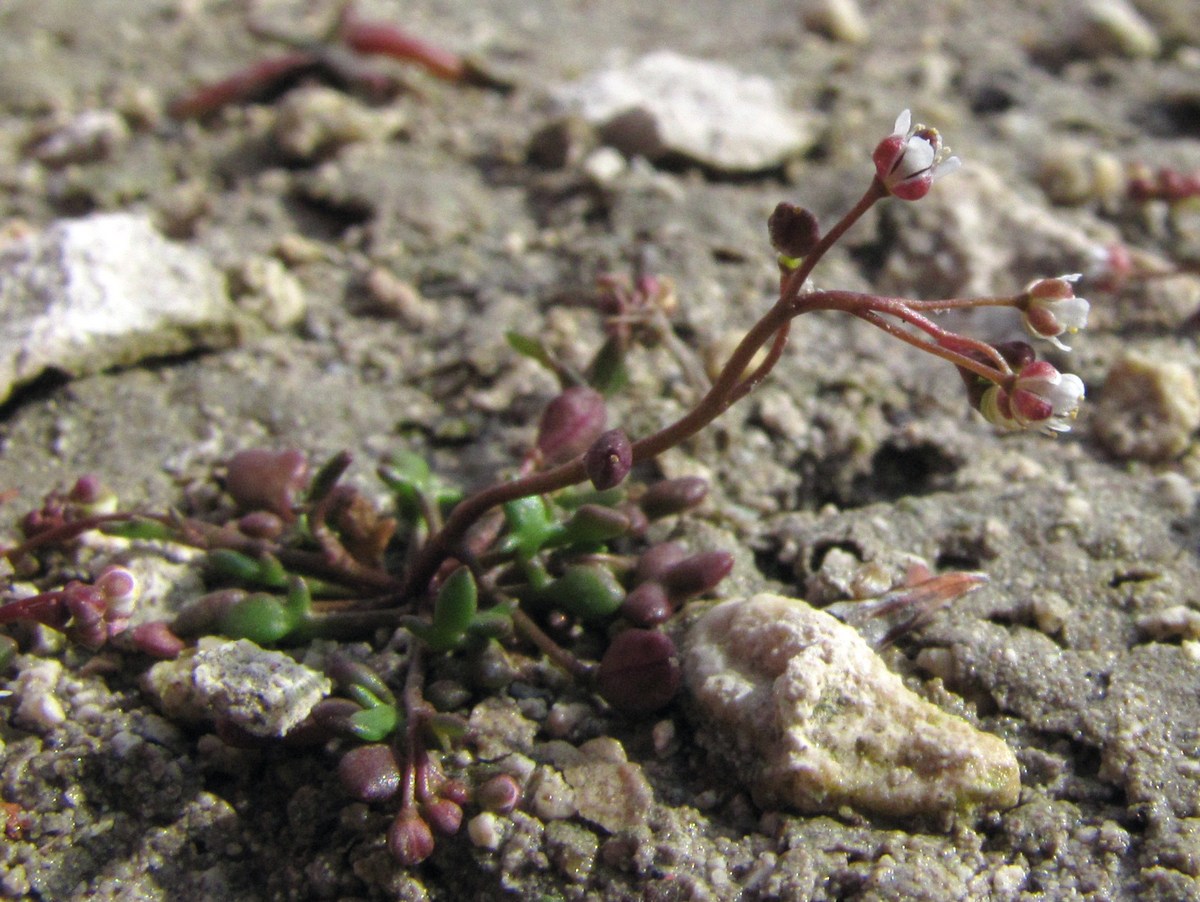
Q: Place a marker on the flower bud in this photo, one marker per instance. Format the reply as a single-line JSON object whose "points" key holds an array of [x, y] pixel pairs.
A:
{"points": [[500, 794], [639, 672], [793, 229], [609, 459], [673, 496], [570, 424], [409, 839], [369, 773], [443, 815]]}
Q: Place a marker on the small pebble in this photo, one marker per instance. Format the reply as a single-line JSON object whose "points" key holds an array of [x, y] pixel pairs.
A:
{"points": [[838, 20], [1116, 28], [91, 136], [1149, 408], [486, 830]]}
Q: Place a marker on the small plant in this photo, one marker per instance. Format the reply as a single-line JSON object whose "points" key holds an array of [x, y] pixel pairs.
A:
{"points": [[546, 559], [335, 56]]}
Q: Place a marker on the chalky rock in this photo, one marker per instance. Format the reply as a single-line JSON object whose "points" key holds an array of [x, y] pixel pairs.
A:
{"points": [[810, 718], [265, 693], [107, 290], [665, 103]]}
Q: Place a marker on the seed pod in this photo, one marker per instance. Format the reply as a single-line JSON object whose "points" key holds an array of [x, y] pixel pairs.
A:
{"points": [[570, 424], [609, 459], [640, 672], [409, 839], [793, 229], [369, 773], [674, 496]]}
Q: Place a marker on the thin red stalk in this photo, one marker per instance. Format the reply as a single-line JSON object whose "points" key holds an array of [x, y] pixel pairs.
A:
{"points": [[388, 40], [961, 360], [242, 85]]}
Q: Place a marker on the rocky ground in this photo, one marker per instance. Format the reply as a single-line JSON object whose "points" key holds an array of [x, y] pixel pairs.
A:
{"points": [[330, 270]]}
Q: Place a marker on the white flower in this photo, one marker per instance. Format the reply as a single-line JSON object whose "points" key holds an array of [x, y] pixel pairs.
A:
{"points": [[1051, 308], [911, 159], [1038, 397]]}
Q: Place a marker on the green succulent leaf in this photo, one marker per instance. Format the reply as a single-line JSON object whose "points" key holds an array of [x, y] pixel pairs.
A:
{"points": [[589, 591], [607, 373], [262, 619], [531, 526], [374, 724]]}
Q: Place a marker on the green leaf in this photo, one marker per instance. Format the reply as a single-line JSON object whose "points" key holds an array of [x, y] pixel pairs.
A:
{"points": [[588, 591], [237, 567], [374, 724], [607, 372], [456, 603], [262, 619], [594, 524], [140, 529], [530, 526], [532, 348]]}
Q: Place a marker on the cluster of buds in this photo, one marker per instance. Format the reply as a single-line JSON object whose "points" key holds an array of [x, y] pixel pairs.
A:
{"points": [[87, 613], [1166, 184], [1011, 389]]}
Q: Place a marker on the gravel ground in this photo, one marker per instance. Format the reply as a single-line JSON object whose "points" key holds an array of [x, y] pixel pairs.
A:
{"points": [[377, 250]]}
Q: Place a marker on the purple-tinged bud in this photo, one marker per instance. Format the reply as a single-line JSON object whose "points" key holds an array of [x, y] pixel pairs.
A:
{"points": [[455, 791], [156, 640], [115, 583], [793, 230], [260, 525], [570, 424], [640, 671], [267, 480], [697, 574], [657, 560], [609, 459], [647, 605], [409, 839], [87, 491], [369, 773], [674, 496], [443, 815], [500, 794]]}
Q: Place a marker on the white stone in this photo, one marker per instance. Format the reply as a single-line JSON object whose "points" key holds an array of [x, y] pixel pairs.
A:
{"points": [[265, 693], [37, 704], [809, 717], [107, 290], [704, 110]]}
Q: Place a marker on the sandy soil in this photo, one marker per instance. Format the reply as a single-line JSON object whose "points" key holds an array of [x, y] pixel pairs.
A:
{"points": [[1082, 651]]}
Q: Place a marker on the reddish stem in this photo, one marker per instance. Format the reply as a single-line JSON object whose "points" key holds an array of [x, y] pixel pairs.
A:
{"points": [[243, 85], [388, 40]]}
